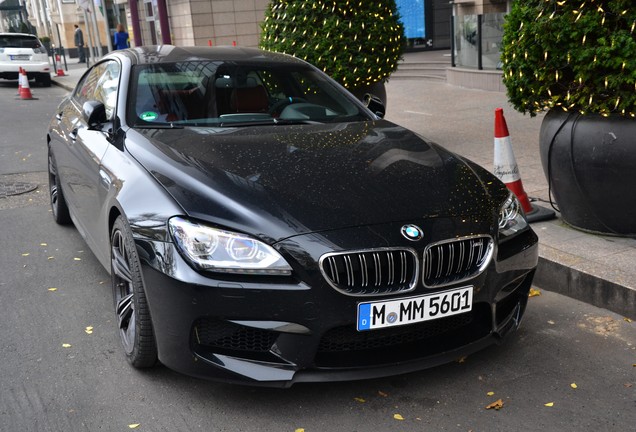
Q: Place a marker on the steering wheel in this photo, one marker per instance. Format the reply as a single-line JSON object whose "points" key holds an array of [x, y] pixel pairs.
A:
{"points": [[278, 107]]}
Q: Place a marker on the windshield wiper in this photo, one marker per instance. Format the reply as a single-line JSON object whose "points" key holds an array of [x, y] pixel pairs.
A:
{"points": [[272, 122], [297, 121], [158, 126]]}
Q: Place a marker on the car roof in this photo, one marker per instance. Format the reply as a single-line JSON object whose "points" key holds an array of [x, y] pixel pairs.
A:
{"points": [[170, 54], [18, 34]]}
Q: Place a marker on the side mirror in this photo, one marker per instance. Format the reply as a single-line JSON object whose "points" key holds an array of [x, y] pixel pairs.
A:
{"points": [[375, 104], [94, 114]]}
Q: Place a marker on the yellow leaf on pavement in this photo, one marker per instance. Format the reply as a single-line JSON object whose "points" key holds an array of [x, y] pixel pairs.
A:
{"points": [[549, 404], [627, 319], [50, 258], [52, 289], [26, 254], [490, 393], [66, 345], [398, 417], [497, 405], [300, 430], [134, 426], [77, 259], [43, 244], [359, 400], [534, 292], [573, 385]]}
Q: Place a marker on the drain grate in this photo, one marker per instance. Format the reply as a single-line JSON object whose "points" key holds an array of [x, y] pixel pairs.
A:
{"points": [[15, 188]]}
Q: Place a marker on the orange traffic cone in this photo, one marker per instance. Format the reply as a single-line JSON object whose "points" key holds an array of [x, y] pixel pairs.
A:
{"points": [[20, 80], [506, 169], [25, 90], [60, 71]]}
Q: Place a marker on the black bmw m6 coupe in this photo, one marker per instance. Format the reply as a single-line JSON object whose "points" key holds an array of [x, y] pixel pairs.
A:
{"points": [[263, 226]]}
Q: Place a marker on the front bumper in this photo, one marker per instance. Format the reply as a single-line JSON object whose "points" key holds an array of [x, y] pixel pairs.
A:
{"points": [[279, 332]]}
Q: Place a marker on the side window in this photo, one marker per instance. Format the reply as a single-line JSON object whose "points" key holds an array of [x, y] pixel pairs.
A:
{"points": [[100, 84], [107, 86]]}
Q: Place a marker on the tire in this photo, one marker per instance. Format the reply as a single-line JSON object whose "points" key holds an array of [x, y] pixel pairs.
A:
{"points": [[131, 307], [44, 80], [59, 207]]}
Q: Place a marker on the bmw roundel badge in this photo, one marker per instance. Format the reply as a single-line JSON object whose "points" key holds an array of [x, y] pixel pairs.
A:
{"points": [[412, 232]]}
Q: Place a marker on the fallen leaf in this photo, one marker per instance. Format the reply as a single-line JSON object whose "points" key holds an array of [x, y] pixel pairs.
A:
{"points": [[52, 289], [549, 404], [628, 385], [89, 330], [77, 259], [573, 385], [66, 345], [359, 400], [26, 254], [627, 319], [551, 322], [398, 417], [490, 393], [300, 430], [381, 393], [534, 292], [497, 405], [134, 426], [43, 244], [50, 258]]}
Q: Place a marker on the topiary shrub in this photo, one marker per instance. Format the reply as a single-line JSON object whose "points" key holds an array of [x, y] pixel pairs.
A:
{"points": [[356, 43], [579, 55]]}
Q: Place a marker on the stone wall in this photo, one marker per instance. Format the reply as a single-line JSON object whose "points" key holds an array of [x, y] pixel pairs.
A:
{"points": [[216, 22]]}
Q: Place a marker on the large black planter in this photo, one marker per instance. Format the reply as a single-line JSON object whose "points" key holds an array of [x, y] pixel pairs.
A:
{"points": [[590, 164]]}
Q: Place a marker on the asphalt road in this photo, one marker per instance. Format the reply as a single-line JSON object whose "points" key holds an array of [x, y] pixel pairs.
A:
{"points": [[88, 386]]}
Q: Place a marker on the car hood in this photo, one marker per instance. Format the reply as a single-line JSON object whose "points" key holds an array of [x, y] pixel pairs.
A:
{"points": [[279, 181]]}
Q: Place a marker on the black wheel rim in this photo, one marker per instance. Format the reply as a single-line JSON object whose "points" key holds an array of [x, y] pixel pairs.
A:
{"points": [[53, 187], [123, 290]]}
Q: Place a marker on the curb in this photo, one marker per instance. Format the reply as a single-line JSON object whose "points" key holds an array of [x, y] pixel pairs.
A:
{"points": [[594, 290]]}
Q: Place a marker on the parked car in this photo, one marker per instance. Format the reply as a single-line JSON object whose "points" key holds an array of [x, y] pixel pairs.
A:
{"points": [[21, 50], [263, 226]]}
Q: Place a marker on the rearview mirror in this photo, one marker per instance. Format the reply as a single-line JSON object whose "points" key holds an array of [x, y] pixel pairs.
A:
{"points": [[375, 104], [94, 114]]}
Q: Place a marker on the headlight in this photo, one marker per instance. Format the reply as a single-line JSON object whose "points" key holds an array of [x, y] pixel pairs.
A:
{"points": [[511, 217], [224, 251]]}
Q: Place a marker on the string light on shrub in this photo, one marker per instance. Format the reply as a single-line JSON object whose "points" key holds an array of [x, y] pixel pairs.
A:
{"points": [[343, 21]]}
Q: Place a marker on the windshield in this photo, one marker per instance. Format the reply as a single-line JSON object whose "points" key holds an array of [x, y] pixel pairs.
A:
{"points": [[216, 93]]}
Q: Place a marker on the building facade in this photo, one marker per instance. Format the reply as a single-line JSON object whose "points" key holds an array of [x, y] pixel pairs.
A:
{"points": [[471, 28]]}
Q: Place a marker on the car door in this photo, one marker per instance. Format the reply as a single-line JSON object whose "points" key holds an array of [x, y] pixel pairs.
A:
{"points": [[80, 166]]}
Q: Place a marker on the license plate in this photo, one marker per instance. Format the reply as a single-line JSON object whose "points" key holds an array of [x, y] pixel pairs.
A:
{"points": [[389, 313], [20, 57]]}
